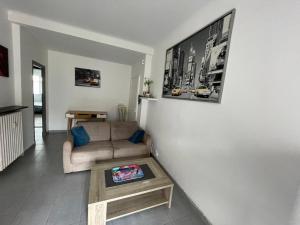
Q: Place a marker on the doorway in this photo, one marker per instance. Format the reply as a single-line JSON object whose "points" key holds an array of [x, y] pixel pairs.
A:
{"points": [[133, 108], [39, 102]]}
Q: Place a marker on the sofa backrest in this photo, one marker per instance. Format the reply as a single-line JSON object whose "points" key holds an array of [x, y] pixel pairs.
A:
{"points": [[123, 130], [98, 131]]}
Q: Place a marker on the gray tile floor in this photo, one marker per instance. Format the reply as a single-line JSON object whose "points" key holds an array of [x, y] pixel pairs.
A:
{"points": [[38, 129], [35, 191], [38, 121]]}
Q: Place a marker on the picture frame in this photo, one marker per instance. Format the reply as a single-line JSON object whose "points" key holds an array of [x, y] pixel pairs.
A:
{"points": [[4, 63], [195, 68], [87, 77]]}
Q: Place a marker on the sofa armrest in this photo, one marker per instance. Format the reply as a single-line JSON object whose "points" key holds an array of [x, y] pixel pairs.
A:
{"points": [[67, 152], [148, 142]]}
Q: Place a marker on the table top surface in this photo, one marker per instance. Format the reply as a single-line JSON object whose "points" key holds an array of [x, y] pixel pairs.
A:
{"points": [[99, 192], [85, 112]]}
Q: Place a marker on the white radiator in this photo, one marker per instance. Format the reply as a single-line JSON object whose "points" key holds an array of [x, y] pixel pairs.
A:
{"points": [[11, 138]]}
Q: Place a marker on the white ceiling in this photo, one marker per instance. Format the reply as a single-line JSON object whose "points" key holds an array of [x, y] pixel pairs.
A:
{"points": [[143, 21], [77, 46]]}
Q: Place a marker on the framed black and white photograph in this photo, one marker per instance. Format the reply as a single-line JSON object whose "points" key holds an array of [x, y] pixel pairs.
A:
{"points": [[87, 78], [4, 68], [195, 68]]}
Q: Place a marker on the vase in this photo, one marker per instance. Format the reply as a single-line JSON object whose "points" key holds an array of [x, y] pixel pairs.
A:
{"points": [[148, 89]]}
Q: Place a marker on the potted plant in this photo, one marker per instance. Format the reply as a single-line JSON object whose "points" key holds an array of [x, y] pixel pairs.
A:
{"points": [[147, 84]]}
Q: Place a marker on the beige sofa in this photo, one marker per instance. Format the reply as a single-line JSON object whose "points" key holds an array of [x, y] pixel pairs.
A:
{"points": [[108, 140]]}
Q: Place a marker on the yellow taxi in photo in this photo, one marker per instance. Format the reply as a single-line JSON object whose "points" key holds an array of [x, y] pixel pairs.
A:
{"points": [[202, 91], [176, 91]]}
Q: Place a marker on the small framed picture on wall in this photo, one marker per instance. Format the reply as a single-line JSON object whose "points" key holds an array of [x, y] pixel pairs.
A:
{"points": [[87, 78], [4, 68]]}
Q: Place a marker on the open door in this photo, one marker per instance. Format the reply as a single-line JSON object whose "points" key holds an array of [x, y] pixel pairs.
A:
{"points": [[39, 101]]}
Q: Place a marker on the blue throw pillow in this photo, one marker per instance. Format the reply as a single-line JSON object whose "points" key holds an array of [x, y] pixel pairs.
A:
{"points": [[137, 137], [80, 136]]}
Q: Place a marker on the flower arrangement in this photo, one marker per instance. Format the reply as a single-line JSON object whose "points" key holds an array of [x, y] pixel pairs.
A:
{"points": [[147, 84]]}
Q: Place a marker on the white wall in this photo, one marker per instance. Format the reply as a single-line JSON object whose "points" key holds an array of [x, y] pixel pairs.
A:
{"points": [[64, 95], [244, 153], [6, 84], [31, 50]]}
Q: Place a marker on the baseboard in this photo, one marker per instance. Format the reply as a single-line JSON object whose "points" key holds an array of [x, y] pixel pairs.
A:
{"points": [[31, 146], [196, 208]]}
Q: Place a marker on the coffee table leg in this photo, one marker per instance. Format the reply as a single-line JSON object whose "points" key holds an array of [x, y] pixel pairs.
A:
{"points": [[97, 214], [169, 194]]}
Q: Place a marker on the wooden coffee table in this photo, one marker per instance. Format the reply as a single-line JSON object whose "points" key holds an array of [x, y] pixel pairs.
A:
{"points": [[109, 203]]}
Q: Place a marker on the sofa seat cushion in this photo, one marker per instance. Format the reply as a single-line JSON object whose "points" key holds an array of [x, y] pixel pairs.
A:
{"points": [[93, 151], [124, 148]]}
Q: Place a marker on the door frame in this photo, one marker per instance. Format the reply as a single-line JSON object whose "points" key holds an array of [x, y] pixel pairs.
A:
{"points": [[134, 99], [138, 106], [44, 118]]}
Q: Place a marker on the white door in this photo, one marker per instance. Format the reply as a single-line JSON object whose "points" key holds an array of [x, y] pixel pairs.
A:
{"points": [[133, 99]]}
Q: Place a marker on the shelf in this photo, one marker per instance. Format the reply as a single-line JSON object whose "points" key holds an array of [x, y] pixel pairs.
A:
{"points": [[149, 99], [127, 206]]}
